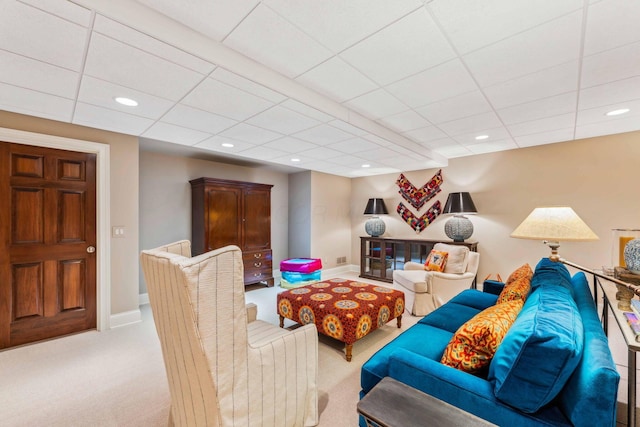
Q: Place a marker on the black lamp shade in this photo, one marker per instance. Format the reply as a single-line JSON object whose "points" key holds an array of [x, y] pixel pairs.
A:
{"points": [[459, 203], [375, 207]]}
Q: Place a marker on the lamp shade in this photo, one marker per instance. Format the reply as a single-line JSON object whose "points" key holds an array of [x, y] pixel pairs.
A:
{"points": [[375, 207], [459, 203], [554, 223]]}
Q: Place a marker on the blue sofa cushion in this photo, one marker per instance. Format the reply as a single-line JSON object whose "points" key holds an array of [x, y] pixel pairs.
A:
{"points": [[548, 271], [540, 351]]}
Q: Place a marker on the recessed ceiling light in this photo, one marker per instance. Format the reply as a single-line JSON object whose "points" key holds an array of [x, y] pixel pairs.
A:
{"points": [[227, 144], [126, 101], [618, 112], [481, 137], [366, 166], [295, 160]]}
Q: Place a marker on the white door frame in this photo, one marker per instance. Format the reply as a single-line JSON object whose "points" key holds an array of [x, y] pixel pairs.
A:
{"points": [[103, 216]]}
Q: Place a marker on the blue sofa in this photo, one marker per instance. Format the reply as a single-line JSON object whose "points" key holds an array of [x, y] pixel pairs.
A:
{"points": [[553, 367]]}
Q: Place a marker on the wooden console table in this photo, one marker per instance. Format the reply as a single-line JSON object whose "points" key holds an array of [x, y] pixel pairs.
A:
{"points": [[379, 256]]}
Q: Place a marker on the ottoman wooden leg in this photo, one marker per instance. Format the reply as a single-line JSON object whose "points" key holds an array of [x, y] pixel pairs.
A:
{"points": [[348, 348], [282, 321], [400, 321]]}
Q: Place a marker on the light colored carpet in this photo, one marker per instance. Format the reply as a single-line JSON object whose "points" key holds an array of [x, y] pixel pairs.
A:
{"points": [[117, 377]]}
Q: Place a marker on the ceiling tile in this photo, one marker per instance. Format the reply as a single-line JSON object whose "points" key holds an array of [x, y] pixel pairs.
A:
{"points": [[63, 9], [457, 107], [33, 103], [438, 83], [282, 120], [347, 127], [564, 121], [33, 33], [150, 45], [294, 105], [471, 124], [378, 140], [249, 133], [321, 153], [119, 63], [539, 109], [543, 84], [39, 76], [354, 145], [247, 85], [376, 104], [611, 24], [262, 153], [101, 93], [339, 25], [193, 118], [104, 118], [492, 147], [215, 18], [545, 137], [494, 134], [381, 153], [290, 145], [611, 65], [219, 98], [409, 45], [621, 125], [544, 46], [175, 134], [453, 151], [215, 142], [610, 93], [349, 160], [323, 135], [406, 121], [425, 134], [599, 114], [269, 39], [471, 24], [337, 79]]}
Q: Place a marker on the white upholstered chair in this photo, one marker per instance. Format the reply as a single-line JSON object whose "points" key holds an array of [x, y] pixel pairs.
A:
{"points": [[224, 368], [427, 290]]}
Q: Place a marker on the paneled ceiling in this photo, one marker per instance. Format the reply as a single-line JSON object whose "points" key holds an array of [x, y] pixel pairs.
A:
{"points": [[397, 85]]}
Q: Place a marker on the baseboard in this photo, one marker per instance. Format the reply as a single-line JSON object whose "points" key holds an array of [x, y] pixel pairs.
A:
{"points": [[143, 299], [336, 271], [125, 318]]}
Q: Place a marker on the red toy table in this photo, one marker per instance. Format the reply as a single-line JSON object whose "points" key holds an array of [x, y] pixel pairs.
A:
{"points": [[342, 309]]}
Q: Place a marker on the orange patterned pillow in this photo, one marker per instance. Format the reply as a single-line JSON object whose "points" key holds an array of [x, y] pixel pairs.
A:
{"points": [[518, 289], [473, 345], [436, 261], [522, 271]]}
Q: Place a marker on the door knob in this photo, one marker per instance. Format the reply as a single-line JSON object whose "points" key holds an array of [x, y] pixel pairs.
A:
{"points": [[91, 249]]}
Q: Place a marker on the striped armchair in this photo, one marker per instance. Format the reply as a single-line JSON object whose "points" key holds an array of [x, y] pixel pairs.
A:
{"points": [[224, 367]]}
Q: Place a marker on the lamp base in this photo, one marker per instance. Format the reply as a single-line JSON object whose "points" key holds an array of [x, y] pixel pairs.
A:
{"points": [[458, 228], [375, 227]]}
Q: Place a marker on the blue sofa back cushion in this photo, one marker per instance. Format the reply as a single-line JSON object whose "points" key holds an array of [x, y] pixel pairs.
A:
{"points": [[540, 351], [548, 271]]}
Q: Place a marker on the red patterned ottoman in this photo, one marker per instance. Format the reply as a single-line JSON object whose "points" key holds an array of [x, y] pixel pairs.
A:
{"points": [[342, 309]]}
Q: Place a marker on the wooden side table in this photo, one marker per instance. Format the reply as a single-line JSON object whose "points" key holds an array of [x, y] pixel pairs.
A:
{"points": [[394, 404]]}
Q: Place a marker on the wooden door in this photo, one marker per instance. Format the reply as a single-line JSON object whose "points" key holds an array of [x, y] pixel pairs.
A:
{"points": [[257, 219], [223, 222], [48, 239]]}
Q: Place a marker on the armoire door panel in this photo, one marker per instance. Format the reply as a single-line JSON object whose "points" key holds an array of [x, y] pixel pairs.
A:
{"points": [[71, 170], [257, 217], [223, 207], [27, 214]]}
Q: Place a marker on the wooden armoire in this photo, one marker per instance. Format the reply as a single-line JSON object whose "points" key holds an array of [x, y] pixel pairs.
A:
{"points": [[225, 212]]}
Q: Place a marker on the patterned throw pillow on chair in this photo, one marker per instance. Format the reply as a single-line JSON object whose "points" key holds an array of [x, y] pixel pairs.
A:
{"points": [[473, 345], [436, 261]]}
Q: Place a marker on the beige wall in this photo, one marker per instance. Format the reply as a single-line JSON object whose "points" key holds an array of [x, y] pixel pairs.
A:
{"points": [[124, 198], [330, 218], [597, 177], [165, 199]]}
